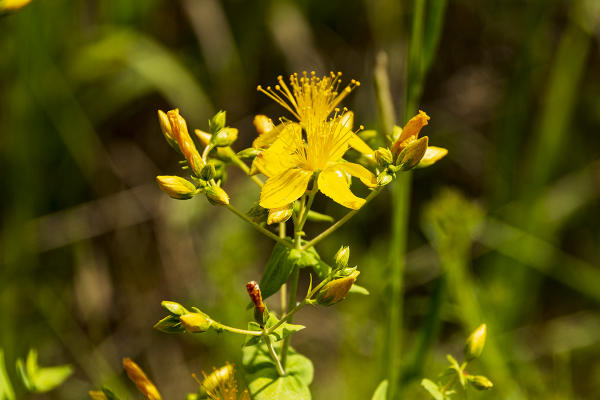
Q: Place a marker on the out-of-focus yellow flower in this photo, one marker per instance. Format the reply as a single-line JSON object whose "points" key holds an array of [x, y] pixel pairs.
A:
{"points": [[311, 100], [11, 5], [221, 384], [290, 163], [140, 379]]}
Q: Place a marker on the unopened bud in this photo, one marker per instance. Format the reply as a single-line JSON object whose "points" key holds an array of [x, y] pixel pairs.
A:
{"points": [[169, 324], [256, 297], [176, 187], [342, 256], [217, 122], [263, 124], [248, 153], [216, 195], [475, 343], [186, 144], [257, 213], [208, 172], [280, 214], [383, 157], [165, 127], [140, 379], [174, 308], [412, 154], [384, 178], [410, 133], [97, 395], [203, 137], [480, 382], [225, 137], [336, 290], [196, 322]]}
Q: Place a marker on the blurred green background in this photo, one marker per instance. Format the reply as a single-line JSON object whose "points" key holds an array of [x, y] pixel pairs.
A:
{"points": [[89, 246]]}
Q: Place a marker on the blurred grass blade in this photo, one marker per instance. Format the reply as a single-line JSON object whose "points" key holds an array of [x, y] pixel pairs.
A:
{"points": [[6, 390]]}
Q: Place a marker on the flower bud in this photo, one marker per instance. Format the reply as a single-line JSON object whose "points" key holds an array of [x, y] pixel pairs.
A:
{"points": [[216, 195], [384, 178], [342, 256], [336, 290], [97, 395], [475, 343], [169, 324], [208, 172], [383, 157], [432, 155], [257, 213], [196, 322], [140, 379], [410, 133], [176, 187], [412, 154], [217, 122], [480, 382], [256, 297], [165, 127], [203, 137], [280, 214], [225, 137], [186, 144], [248, 153], [263, 124]]}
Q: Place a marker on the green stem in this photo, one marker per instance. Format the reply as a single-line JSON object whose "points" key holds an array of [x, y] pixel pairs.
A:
{"points": [[258, 227], [240, 331], [273, 354], [340, 222], [311, 198], [242, 165], [387, 115], [291, 305]]}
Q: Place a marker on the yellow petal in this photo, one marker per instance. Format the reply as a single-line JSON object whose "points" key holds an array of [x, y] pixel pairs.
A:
{"points": [[268, 137], [357, 170], [432, 155], [334, 183], [359, 145], [284, 188], [411, 131], [280, 156]]}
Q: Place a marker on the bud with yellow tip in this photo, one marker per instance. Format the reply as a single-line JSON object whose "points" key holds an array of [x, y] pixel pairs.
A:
{"points": [[383, 157], [216, 195], [480, 382], [225, 137], [337, 289], [203, 137], [475, 343], [186, 144], [411, 131], [263, 124], [342, 256], [176, 187], [412, 154], [140, 379], [165, 127], [280, 214], [217, 122], [196, 322]]}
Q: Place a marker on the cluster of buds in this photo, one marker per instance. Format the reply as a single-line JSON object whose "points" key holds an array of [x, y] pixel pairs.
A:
{"points": [[207, 173], [343, 279], [408, 150], [473, 349]]}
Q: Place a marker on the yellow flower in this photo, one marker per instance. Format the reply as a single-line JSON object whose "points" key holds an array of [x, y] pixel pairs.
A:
{"points": [[290, 163], [311, 100], [221, 384], [409, 136]]}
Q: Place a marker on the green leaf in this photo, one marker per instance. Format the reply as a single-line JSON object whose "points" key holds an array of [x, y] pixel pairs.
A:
{"points": [[381, 391], [41, 380], [433, 389], [357, 289], [278, 334], [265, 384], [169, 324], [6, 389], [109, 394]]}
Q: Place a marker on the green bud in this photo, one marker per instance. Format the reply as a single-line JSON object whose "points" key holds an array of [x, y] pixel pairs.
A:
{"points": [[384, 178], [169, 324], [196, 322], [475, 343], [176, 187], [248, 153], [208, 172], [412, 154], [257, 213], [480, 382], [216, 195], [342, 256], [174, 308], [336, 290], [383, 157], [217, 122], [225, 137]]}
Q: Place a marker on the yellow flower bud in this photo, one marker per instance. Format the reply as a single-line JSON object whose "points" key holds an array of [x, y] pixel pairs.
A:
{"points": [[342, 256], [383, 157], [432, 155], [165, 127], [186, 144], [336, 290], [203, 137], [263, 124], [196, 322], [281, 214], [475, 343], [480, 382], [217, 122], [176, 187], [412, 154], [225, 137], [216, 195], [140, 379], [410, 132], [97, 395]]}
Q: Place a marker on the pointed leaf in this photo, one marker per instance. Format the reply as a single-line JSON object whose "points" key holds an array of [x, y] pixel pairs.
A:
{"points": [[433, 389], [381, 391], [6, 389]]}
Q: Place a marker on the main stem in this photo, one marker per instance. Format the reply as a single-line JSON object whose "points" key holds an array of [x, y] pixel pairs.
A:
{"points": [[278, 364]]}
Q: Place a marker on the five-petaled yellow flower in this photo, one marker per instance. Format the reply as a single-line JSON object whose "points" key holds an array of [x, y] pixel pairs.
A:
{"points": [[290, 163]]}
